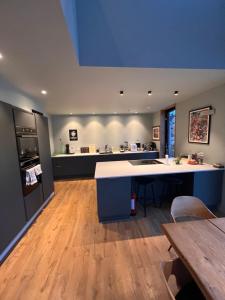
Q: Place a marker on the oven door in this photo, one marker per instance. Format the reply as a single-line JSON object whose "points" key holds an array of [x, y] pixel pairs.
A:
{"points": [[27, 189], [27, 147]]}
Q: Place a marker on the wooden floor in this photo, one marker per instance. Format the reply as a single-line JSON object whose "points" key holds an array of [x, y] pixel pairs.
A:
{"points": [[67, 254]]}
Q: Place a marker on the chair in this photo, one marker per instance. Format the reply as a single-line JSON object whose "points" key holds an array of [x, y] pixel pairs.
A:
{"points": [[145, 182], [188, 208], [183, 286]]}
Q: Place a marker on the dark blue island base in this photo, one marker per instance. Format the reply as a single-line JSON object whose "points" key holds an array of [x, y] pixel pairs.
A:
{"points": [[114, 194]]}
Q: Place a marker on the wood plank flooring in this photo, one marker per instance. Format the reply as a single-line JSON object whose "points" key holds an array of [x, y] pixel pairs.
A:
{"points": [[67, 254]]}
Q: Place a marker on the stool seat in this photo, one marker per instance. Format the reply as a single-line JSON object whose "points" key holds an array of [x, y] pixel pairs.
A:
{"points": [[144, 180], [173, 180]]}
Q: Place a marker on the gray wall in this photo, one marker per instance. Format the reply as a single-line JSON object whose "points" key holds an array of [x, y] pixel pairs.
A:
{"points": [[101, 130], [14, 96], [215, 151]]}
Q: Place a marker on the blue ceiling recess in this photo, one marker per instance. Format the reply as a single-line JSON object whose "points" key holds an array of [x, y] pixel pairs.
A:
{"points": [[148, 33], [70, 14]]}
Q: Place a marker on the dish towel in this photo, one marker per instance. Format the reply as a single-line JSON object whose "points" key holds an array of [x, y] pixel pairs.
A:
{"points": [[31, 177], [38, 170]]}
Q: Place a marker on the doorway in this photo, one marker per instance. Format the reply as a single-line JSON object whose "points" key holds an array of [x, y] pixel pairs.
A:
{"points": [[170, 131]]}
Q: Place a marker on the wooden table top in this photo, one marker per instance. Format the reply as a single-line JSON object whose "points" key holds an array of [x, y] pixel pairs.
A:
{"points": [[201, 247], [219, 223]]}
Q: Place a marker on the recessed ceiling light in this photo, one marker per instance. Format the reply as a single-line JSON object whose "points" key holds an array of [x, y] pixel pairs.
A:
{"points": [[1, 56], [121, 93], [149, 93], [176, 93], [44, 92], [136, 112]]}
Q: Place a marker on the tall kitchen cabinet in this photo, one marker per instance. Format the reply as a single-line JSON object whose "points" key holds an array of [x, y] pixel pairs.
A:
{"points": [[45, 155], [12, 212]]}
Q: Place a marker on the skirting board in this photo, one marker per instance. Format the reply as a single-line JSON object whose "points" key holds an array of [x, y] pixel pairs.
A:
{"points": [[13, 243]]}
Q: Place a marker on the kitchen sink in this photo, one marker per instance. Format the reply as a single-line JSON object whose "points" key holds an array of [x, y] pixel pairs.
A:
{"points": [[106, 152], [142, 162]]}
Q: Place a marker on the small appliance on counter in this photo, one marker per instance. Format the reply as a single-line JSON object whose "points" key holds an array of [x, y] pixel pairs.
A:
{"points": [[84, 149], [138, 146], [92, 148], [133, 147], [122, 148], [68, 149], [152, 146], [126, 146]]}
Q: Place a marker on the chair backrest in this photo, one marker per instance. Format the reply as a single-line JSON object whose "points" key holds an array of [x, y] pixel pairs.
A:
{"points": [[184, 207], [182, 276]]}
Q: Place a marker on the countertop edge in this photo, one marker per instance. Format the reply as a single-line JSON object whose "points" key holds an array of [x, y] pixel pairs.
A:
{"points": [[156, 174], [98, 154]]}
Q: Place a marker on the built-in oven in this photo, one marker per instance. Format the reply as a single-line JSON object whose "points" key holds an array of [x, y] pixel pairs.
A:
{"points": [[27, 146]]}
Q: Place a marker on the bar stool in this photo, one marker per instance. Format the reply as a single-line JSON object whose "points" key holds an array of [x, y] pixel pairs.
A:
{"points": [[144, 182], [172, 187]]}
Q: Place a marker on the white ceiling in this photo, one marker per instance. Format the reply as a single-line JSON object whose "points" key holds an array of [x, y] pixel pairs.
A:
{"points": [[38, 54]]}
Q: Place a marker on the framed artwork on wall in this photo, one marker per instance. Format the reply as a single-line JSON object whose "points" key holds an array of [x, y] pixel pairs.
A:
{"points": [[199, 125], [73, 135], [156, 133]]}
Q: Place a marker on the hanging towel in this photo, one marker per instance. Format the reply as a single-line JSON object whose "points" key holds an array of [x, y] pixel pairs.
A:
{"points": [[31, 178], [38, 170]]}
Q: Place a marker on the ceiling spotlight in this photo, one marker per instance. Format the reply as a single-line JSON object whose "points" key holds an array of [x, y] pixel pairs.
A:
{"points": [[149, 93], [70, 113], [44, 92], [1, 56], [176, 93], [121, 93]]}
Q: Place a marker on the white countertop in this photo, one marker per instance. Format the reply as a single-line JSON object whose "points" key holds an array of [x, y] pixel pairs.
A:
{"points": [[89, 154], [115, 169]]}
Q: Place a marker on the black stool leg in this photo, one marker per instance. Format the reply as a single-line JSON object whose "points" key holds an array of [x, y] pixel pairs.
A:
{"points": [[145, 207], [153, 194], [138, 190]]}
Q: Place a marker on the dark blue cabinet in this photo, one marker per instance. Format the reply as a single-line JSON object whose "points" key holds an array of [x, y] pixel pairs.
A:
{"points": [[45, 156], [12, 212], [84, 166]]}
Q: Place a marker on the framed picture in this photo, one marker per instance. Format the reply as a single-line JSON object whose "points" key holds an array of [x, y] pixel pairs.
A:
{"points": [[199, 125], [73, 135], [156, 133]]}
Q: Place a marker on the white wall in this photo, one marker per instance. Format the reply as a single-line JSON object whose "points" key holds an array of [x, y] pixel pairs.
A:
{"points": [[12, 95], [101, 130]]}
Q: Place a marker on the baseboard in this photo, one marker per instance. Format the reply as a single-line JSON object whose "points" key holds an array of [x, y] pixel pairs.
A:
{"points": [[21, 233]]}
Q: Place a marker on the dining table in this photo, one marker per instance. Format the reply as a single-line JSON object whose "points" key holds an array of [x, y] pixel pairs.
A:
{"points": [[200, 244]]}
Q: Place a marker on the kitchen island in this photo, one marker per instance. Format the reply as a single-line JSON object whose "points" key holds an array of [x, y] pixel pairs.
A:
{"points": [[115, 184], [80, 165]]}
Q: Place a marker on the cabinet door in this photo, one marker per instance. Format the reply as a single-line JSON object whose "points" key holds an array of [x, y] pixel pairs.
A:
{"points": [[12, 212], [45, 155]]}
